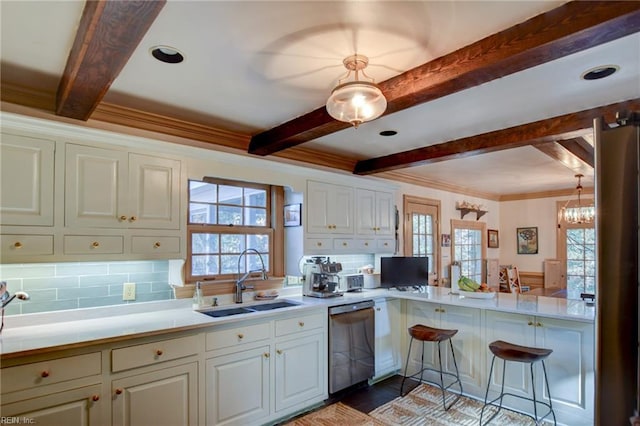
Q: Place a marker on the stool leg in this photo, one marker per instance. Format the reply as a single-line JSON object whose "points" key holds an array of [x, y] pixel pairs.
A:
{"points": [[486, 394], [533, 390], [455, 364], [546, 381], [406, 365], [441, 378], [422, 362]]}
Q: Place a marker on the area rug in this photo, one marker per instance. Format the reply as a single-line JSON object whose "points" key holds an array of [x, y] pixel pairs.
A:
{"points": [[336, 414], [423, 406]]}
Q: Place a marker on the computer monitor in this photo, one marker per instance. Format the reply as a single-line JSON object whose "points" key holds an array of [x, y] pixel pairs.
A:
{"points": [[401, 271]]}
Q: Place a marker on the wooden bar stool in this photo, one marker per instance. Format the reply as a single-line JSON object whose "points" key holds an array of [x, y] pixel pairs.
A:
{"points": [[430, 334], [516, 353]]}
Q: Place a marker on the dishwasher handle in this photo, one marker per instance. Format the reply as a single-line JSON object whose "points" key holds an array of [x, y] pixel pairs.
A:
{"points": [[341, 309]]}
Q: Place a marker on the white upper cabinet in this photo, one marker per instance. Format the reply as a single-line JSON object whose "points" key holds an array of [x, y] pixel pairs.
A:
{"points": [[329, 208], [26, 180], [116, 189], [374, 212]]}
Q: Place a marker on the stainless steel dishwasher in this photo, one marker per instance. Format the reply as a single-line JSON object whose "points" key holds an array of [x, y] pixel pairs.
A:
{"points": [[351, 344]]}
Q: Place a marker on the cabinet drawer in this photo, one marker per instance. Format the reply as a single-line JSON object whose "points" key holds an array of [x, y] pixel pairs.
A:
{"points": [[159, 245], [386, 245], [343, 244], [48, 372], [16, 245], [237, 336], [153, 353], [300, 323], [93, 244], [319, 244], [367, 245]]}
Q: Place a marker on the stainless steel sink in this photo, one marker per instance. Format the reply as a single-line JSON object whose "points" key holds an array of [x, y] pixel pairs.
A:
{"points": [[225, 312]]}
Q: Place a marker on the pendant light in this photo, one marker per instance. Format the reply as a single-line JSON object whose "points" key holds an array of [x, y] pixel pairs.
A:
{"points": [[356, 101], [579, 214]]}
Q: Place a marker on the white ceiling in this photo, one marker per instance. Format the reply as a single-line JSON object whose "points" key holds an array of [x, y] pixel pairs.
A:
{"points": [[253, 65]]}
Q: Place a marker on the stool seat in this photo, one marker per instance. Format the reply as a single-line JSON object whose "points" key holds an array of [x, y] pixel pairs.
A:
{"points": [[429, 334], [510, 352]]}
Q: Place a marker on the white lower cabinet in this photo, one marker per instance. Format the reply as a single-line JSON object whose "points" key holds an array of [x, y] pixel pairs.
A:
{"points": [[467, 343], [168, 396], [387, 344], [257, 372], [237, 387], [570, 367]]}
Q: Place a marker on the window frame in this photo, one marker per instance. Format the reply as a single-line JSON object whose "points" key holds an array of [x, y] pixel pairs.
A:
{"points": [[273, 228], [476, 226]]}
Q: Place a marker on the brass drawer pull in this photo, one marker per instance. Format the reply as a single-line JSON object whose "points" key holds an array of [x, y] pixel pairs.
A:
{"points": [[240, 336], [133, 219], [122, 218], [44, 374], [279, 351], [156, 244], [95, 398], [119, 391], [159, 352], [301, 323], [17, 244], [95, 244], [266, 355]]}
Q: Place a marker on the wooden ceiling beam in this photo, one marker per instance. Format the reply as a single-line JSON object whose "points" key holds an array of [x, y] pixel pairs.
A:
{"points": [[549, 130], [570, 28], [558, 152], [107, 36], [581, 149]]}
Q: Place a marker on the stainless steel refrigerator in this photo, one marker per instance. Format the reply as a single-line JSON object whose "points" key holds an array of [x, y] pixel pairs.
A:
{"points": [[617, 161]]}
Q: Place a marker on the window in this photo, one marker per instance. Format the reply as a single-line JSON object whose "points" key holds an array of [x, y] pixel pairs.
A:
{"points": [[422, 231], [577, 251], [226, 218], [468, 241]]}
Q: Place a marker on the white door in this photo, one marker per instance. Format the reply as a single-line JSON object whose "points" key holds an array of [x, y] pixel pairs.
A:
{"points": [[26, 180], [165, 397], [422, 232], [96, 188], [299, 373], [154, 192], [237, 387]]}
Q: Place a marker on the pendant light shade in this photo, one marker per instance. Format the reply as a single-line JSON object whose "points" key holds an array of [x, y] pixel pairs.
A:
{"points": [[356, 101]]}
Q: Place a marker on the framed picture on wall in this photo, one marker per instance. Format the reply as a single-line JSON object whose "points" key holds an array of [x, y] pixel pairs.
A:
{"points": [[292, 215], [445, 240], [527, 240], [492, 238]]}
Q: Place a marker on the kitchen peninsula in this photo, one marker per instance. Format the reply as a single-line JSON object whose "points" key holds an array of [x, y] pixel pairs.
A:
{"points": [[231, 370]]}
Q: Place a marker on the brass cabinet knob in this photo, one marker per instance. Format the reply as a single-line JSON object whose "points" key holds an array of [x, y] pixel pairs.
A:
{"points": [[122, 218], [159, 352], [279, 351], [344, 244], [133, 219], [386, 244], [530, 323], [95, 244], [266, 355], [119, 391], [95, 398], [366, 244], [377, 309], [44, 374], [17, 244], [319, 244], [240, 336], [539, 324], [156, 244], [301, 323]]}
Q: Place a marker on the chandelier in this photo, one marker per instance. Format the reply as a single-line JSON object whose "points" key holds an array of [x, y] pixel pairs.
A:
{"points": [[356, 101], [578, 214]]}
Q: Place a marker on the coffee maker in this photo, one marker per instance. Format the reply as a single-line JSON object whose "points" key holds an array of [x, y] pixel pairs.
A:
{"points": [[321, 278]]}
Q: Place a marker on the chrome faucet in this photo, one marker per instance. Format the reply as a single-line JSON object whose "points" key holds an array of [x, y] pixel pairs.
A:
{"points": [[240, 287], [6, 298]]}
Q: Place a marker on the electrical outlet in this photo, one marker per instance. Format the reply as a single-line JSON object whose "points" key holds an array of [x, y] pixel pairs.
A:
{"points": [[129, 291]]}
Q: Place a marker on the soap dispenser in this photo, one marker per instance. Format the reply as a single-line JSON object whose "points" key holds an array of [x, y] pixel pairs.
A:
{"points": [[197, 296]]}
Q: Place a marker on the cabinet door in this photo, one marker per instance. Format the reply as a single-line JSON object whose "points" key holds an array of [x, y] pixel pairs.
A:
{"points": [[154, 192], [385, 214], [330, 208], [300, 373], [365, 212], [96, 187], [426, 314], [78, 407], [26, 180], [570, 368], [237, 387], [517, 329], [164, 397], [467, 345], [387, 345]]}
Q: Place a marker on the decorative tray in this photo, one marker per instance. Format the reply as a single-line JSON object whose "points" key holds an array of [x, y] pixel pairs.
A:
{"points": [[478, 294]]}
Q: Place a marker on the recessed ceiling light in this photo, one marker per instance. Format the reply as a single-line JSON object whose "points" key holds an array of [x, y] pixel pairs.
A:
{"points": [[167, 54], [599, 72], [388, 133]]}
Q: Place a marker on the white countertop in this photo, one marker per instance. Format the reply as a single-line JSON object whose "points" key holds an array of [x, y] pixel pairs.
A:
{"points": [[35, 333]]}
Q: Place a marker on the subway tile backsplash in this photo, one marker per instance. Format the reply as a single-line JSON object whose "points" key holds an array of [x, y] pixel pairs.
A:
{"points": [[60, 286]]}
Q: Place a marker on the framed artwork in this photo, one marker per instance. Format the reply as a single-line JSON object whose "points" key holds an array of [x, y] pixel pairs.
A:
{"points": [[492, 240], [527, 240], [292, 215], [445, 240]]}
